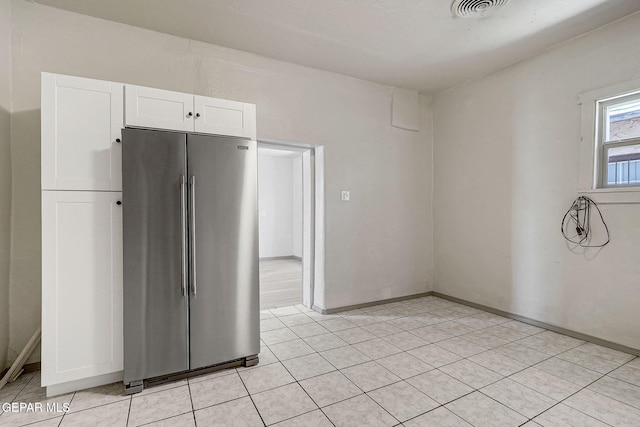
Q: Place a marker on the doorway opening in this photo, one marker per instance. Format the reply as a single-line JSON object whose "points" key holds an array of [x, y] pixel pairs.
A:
{"points": [[288, 213]]}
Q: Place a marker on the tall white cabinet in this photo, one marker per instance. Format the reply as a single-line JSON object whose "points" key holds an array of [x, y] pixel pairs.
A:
{"points": [[82, 120], [81, 232], [82, 272]]}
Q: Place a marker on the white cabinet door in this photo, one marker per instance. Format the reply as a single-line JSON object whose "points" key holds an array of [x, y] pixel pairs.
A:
{"points": [[81, 124], [222, 117], [155, 108], [81, 285]]}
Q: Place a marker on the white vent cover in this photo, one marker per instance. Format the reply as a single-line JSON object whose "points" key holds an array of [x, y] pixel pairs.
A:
{"points": [[475, 8]]}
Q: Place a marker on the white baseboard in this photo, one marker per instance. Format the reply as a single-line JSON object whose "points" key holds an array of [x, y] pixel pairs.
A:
{"points": [[554, 328], [275, 258], [68, 387]]}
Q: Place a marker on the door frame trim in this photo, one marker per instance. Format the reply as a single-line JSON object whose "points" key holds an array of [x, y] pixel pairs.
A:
{"points": [[313, 253]]}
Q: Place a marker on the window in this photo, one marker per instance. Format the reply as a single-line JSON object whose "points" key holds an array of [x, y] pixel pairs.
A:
{"points": [[618, 140]]}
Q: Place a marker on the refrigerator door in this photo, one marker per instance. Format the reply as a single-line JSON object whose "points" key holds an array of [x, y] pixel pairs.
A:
{"points": [[224, 294], [154, 227]]}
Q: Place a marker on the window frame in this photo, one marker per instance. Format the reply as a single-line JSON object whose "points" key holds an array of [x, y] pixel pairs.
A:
{"points": [[589, 158], [603, 145]]}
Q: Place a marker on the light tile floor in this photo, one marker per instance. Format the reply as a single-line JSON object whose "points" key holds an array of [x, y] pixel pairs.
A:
{"points": [[421, 362], [280, 282]]}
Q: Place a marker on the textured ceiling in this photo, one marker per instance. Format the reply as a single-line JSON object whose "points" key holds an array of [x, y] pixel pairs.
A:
{"points": [[415, 44]]}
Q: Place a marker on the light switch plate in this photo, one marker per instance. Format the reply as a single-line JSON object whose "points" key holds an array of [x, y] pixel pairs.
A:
{"points": [[345, 196]]}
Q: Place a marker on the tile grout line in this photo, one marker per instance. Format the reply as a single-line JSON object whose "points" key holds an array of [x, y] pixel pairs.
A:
{"points": [[307, 393], [372, 360], [337, 370], [20, 390], [524, 385], [620, 379], [440, 406], [561, 400], [65, 414], [366, 393], [573, 394], [401, 422], [407, 351], [402, 315], [193, 408], [251, 398], [486, 350], [601, 394], [503, 376], [489, 349], [300, 385]]}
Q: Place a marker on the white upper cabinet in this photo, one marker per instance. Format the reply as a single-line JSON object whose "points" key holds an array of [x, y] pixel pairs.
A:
{"points": [[155, 108], [81, 285], [162, 109], [222, 117], [81, 124]]}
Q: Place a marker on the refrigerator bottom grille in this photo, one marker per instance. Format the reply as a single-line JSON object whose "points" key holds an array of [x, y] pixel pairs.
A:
{"points": [[138, 386]]}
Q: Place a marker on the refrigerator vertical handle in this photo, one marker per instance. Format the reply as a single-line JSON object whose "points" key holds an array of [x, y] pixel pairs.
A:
{"points": [[183, 222], [192, 231]]}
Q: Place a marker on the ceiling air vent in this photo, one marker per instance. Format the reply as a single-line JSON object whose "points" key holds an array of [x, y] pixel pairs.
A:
{"points": [[475, 8]]}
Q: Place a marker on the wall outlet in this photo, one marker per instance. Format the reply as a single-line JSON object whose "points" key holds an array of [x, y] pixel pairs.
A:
{"points": [[345, 196]]}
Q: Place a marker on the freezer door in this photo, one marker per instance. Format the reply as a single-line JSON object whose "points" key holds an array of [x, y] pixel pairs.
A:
{"points": [[224, 294], [155, 301]]}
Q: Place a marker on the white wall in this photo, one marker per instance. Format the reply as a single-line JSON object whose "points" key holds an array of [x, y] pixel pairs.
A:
{"points": [[378, 246], [275, 205], [506, 158], [280, 204], [297, 206], [5, 174]]}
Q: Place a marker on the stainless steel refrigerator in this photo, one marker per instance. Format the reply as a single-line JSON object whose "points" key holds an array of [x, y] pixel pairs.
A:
{"points": [[191, 297]]}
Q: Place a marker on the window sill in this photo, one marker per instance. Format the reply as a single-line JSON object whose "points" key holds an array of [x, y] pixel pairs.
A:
{"points": [[604, 196]]}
